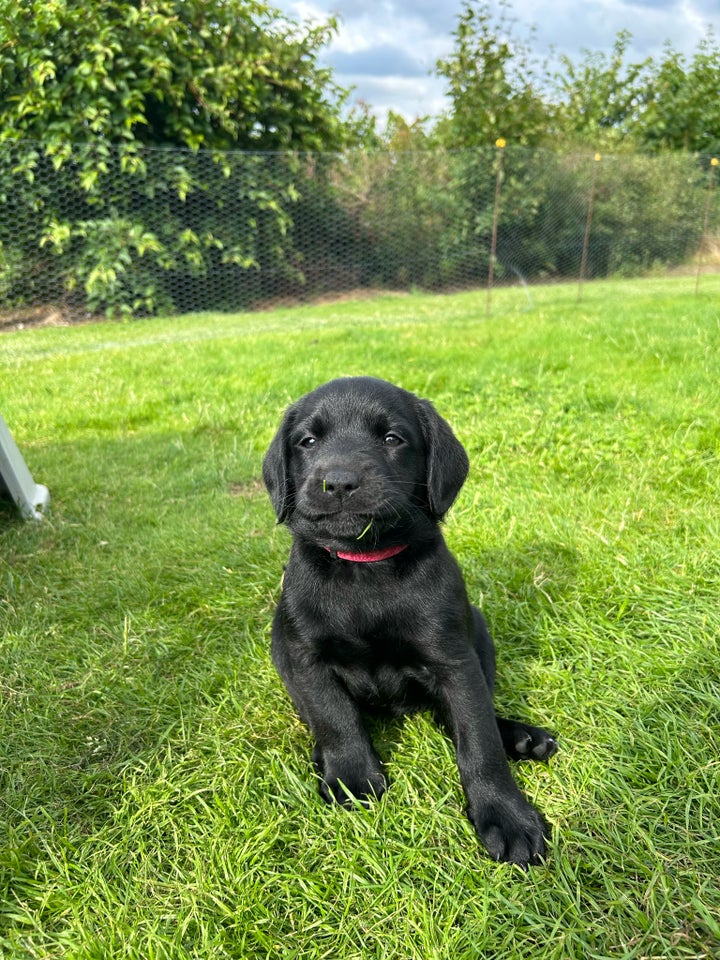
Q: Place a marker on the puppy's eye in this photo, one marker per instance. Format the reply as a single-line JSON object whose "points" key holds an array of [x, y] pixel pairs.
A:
{"points": [[392, 440], [307, 442]]}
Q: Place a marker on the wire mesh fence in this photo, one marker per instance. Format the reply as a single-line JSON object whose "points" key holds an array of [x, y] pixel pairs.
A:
{"points": [[102, 230]]}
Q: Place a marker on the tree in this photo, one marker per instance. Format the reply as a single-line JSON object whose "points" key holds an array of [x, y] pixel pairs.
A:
{"points": [[494, 83], [683, 111], [221, 74], [601, 98], [652, 105], [86, 86], [494, 87]]}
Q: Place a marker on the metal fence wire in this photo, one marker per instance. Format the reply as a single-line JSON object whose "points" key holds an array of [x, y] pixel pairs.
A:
{"points": [[103, 230]]}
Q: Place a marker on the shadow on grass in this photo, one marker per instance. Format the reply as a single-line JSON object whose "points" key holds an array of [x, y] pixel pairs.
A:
{"points": [[9, 513], [521, 587], [131, 616]]}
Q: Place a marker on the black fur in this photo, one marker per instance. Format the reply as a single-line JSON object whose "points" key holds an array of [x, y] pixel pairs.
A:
{"points": [[360, 465]]}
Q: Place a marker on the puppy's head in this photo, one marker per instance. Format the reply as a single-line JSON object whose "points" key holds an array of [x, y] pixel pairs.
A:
{"points": [[362, 461]]}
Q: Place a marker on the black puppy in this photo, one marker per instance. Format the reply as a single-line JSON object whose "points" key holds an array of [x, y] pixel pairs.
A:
{"points": [[374, 615]]}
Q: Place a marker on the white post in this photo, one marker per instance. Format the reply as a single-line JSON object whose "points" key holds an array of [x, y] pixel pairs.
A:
{"points": [[31, 498]]}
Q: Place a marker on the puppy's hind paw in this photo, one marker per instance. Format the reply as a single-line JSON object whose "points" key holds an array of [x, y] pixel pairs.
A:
{"points": [[525, 742]]}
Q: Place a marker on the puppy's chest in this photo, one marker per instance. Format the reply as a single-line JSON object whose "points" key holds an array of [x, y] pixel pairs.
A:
{"points": [[369, 628], [356, 600], [380, 670], [380, 650]]}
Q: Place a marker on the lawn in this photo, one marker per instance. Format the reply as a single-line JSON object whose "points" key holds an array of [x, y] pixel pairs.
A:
{"points": [[157, 795]]}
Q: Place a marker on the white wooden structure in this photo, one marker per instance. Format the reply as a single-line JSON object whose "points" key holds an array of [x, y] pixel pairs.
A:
{"points": [[15, 478]]}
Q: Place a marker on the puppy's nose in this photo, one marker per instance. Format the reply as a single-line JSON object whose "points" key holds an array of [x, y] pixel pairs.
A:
{"points": [[340, 481]]}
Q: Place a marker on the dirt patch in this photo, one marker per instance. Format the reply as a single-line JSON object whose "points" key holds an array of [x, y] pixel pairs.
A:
{"points": [[248, 489], [45, 315], [324, 299], [54, 315]]}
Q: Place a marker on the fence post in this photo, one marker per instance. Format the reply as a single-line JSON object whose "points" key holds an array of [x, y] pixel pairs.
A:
{"points": [[706, 219], [588, 225], [500, 144]]}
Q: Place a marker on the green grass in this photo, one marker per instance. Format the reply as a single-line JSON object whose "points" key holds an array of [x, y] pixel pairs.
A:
{"points": [[157, 797]]}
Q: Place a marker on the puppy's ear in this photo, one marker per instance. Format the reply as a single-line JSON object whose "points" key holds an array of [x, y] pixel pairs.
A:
{"points": [[446, 461], [276, 468]]}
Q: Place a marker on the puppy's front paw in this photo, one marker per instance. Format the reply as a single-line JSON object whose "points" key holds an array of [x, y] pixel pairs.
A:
{"points": [[346, 779], [512, 831]]}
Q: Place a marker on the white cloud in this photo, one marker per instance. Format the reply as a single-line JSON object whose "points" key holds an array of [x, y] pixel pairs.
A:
{"points": [[388, 49], [570, 27], [381, 60], [413, 98], [699, 15]]}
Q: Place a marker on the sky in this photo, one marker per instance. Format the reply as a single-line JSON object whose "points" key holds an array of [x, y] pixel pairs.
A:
{"points": [[387, 49]]}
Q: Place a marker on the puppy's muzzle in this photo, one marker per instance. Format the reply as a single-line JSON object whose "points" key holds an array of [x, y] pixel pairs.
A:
{"points": [[339, 482], [343, 486]]}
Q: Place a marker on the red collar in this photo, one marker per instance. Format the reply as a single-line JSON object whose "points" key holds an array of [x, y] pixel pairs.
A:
{"points": [[371, 557]]}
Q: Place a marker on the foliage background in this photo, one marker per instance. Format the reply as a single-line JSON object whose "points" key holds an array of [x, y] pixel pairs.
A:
{"points": [[172, 156], [188, 231]]}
